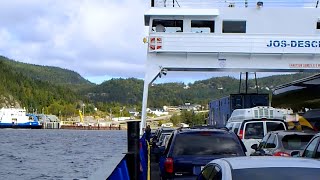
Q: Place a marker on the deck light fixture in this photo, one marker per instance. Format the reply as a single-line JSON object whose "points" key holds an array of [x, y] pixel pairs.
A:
{"points": [[259, 4], [164, 71], [145, 40]]}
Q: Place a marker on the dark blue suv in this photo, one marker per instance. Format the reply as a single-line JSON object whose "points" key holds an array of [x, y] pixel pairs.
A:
{"points": [[189, 150]]}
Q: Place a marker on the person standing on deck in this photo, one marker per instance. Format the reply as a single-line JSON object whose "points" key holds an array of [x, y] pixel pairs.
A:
{"points": [[148, 133]]}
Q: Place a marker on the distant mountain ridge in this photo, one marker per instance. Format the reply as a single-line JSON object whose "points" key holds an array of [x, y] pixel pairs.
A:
{"points": [[44, 86], [129, 91]]}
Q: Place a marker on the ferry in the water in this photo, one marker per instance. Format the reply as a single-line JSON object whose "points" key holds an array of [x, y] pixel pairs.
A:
{"points": [[227, 35], [18, 118]]}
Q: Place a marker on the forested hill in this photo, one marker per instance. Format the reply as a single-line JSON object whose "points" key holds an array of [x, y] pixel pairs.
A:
{"points": [[53, 75], [16, 89], [129, 91], [53, 88]]}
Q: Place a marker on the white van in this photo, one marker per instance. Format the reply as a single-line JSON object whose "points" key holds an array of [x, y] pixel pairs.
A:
{"points": [[252, 124]]}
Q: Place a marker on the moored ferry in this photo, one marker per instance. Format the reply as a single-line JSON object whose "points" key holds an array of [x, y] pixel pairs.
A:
{"points": [[234, 36], [18, 118]]}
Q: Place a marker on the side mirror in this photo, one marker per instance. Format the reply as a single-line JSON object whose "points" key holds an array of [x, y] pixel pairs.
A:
{"points": [[295, 153], [254, 146]]}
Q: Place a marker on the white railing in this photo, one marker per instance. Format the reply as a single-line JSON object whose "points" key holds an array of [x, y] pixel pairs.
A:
{"points": [[236, 3], [206, 43]]}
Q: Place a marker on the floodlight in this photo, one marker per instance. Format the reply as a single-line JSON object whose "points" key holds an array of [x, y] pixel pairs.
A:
{"points": [[259, 4]]}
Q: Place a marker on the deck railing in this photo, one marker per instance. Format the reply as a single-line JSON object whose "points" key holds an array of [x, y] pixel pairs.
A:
{"points": [[235, 3]]}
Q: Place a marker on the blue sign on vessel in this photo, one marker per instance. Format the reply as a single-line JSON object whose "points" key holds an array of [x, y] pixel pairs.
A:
{"points": [[294, 43]]}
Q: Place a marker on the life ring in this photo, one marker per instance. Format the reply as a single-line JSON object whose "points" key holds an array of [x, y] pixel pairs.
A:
{"points": [[154, 45]]}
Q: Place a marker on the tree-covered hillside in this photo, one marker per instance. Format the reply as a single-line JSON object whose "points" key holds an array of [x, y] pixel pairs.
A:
{"points": [[129, 91], [18, 89], [53, 75], [63, 91]]}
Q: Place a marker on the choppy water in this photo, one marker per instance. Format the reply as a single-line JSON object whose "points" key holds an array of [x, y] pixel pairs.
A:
{"points": [[57, 154]]}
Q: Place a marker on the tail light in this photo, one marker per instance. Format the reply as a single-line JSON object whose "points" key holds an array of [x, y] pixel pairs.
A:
{"points": [[240, 134], [168, 165], [281, 154]]}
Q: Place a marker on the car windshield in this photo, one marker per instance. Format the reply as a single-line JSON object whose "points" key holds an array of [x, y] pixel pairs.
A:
{"points": [[295, 141], [276, 173], [206, 144]]}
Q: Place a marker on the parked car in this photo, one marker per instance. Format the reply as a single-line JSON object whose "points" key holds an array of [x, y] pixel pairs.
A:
{"points": [[167, 125], [162, 137], [282, 143], [312, 150], [160, 131], [155, 141], [262, 168], [189, 150], [183, 125], [252, 124], [160, 146]]}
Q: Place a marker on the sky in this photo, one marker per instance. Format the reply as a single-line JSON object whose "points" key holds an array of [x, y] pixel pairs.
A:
{"points": [[99, 39]]}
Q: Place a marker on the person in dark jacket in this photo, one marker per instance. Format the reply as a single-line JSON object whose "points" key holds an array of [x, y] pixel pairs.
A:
{"points": [[148, 133]]}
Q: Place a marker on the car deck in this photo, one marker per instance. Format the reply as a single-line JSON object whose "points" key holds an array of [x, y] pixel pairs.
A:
{"points": [[154, 169]]}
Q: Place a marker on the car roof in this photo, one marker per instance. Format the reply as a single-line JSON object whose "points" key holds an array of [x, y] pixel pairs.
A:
{"points": [[288, 132], [267, 161], [166, 128], [187, 130]]}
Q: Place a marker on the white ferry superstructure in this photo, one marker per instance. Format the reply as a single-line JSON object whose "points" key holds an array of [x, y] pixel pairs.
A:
{"points": [[17, 118], [238, 36]]}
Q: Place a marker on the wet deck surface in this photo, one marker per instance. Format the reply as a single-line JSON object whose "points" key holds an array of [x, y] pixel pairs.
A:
{"points": [[154, 169]]}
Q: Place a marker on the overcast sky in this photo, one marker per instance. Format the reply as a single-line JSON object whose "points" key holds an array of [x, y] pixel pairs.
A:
{"points": [[99, 39]]}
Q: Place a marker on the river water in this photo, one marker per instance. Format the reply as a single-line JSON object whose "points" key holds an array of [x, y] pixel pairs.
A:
{"points": [[57, 154]]}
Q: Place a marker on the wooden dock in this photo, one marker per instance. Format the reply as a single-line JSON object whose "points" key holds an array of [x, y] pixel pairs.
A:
{"points": [[91, 127]]}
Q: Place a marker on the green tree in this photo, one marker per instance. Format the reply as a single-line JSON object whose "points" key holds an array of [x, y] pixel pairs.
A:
{"points": [[175, 119]]}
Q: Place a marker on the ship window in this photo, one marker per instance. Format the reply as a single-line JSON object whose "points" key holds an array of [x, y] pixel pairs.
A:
{"points": [[160, 25], [318, 25], [198, 26], [234, 27]]}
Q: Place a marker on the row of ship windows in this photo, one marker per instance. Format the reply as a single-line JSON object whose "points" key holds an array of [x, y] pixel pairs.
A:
{"points": [[198, 26], [201, 26]]}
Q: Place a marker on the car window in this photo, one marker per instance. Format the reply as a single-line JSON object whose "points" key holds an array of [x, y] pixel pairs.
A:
{"points": [[271, 142], [206, 143], [216, 173], [264, 141], [295, 141], [205, 174], [317, 156], [235, 127], [311, 148], [168, 145], [254, 130], [275, 126]]}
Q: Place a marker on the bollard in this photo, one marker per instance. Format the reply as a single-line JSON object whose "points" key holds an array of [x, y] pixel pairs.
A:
{"points": [[133, 137]]}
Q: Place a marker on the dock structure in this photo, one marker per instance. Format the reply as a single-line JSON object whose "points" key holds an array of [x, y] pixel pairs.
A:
{"points": [[92, 127], [51, 125], [237, 36]]}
